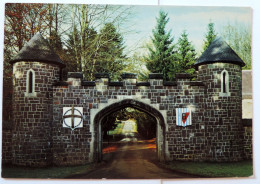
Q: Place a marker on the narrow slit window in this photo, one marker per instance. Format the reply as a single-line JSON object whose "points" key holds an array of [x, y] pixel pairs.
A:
{"points": [[30, 82], [224, 82]]}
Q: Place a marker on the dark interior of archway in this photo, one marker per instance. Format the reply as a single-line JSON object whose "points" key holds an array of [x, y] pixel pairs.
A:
{"points": [[128, 128]]}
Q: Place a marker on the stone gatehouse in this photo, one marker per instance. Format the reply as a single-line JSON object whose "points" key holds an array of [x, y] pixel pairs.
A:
{"points": [[199, 120]]}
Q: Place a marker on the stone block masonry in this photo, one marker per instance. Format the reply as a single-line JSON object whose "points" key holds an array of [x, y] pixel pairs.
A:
{"points": [[6, 146], [222, 114], [247, 139], [214, 135]]}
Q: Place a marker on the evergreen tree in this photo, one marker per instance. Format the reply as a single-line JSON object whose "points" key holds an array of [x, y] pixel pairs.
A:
{"points": [[186, 55], [210, 36], [160, 58], [111, 57], [55, 42], [73, 52]]}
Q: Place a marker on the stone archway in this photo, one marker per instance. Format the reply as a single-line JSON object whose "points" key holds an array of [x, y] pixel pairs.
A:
{"points": [[114, 105]]}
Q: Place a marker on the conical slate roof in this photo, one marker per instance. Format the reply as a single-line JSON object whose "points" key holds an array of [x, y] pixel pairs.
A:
{"points": [[219, 51], [37, 49]]}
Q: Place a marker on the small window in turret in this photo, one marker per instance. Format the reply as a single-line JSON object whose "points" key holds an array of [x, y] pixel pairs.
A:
{"points": [[224, 84], [30, 84]]}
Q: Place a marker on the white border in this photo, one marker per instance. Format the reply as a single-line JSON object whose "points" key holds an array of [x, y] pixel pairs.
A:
{"points": [[254, 4]]}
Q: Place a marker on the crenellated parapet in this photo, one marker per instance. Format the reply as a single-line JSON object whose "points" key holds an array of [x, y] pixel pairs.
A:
{"points": [[128, 79]]}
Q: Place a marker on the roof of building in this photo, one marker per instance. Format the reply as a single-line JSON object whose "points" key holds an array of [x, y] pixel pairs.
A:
{"points": [[219, 51], [37, 49]]}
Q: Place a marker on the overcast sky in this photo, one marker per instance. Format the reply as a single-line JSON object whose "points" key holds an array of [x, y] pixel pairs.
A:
{"points": [[192, 19]]}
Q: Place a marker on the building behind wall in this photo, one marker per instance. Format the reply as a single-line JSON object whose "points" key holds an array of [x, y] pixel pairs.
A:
{"points": [[247, 115], [38, 137]]}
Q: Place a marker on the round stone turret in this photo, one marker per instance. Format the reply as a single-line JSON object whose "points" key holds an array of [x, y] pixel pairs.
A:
{"points": [[35, 69], [219, 67]]}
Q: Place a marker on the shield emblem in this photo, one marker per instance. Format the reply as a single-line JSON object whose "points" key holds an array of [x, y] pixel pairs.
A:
{"points": [[72, 117], [183, 116]]}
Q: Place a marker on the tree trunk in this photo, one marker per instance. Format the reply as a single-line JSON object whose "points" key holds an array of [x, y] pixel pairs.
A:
{"points": [[84, 24], [74, 39]]}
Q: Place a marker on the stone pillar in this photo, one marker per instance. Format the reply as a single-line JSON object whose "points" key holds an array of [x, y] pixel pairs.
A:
{"points": [[102, 80], [129, 79], [156, 79], [75, 78]]}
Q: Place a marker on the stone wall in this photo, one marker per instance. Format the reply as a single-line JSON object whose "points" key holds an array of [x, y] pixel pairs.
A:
{"points": [[208, 131], [6, 146], [216, 133], [32, 136], [248, 139]]}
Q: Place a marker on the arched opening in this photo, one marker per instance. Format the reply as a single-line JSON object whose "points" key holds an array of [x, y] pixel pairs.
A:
{"points": [[99, 119], [128, 130]]}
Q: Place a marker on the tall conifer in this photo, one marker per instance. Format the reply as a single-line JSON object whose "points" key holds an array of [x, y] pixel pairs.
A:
{"points": [[160, 56], [186, 55], [111, 56], [210, 36]]}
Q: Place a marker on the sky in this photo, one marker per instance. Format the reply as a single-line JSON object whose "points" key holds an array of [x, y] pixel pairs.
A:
{"points": [[190, 18]]}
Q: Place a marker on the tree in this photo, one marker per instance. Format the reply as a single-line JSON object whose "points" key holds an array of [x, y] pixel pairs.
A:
{"points": [[137, 64], [161, 54], [239, 37], [210, 36], [111, 57], [93, 17], [22, 21], [146, 124], [186, 55], [56, 19], [73, 49]]}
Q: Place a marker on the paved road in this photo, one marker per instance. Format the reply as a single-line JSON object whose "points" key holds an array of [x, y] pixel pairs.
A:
{"points": [[131, 160]]}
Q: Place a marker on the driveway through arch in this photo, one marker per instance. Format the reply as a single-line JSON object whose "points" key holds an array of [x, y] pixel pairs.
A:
{"points": [[144, 105]]}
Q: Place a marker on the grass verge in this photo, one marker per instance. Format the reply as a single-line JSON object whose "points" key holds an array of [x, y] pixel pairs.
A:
{"points": [[9, 171], [210, 169], [202, 169]]}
